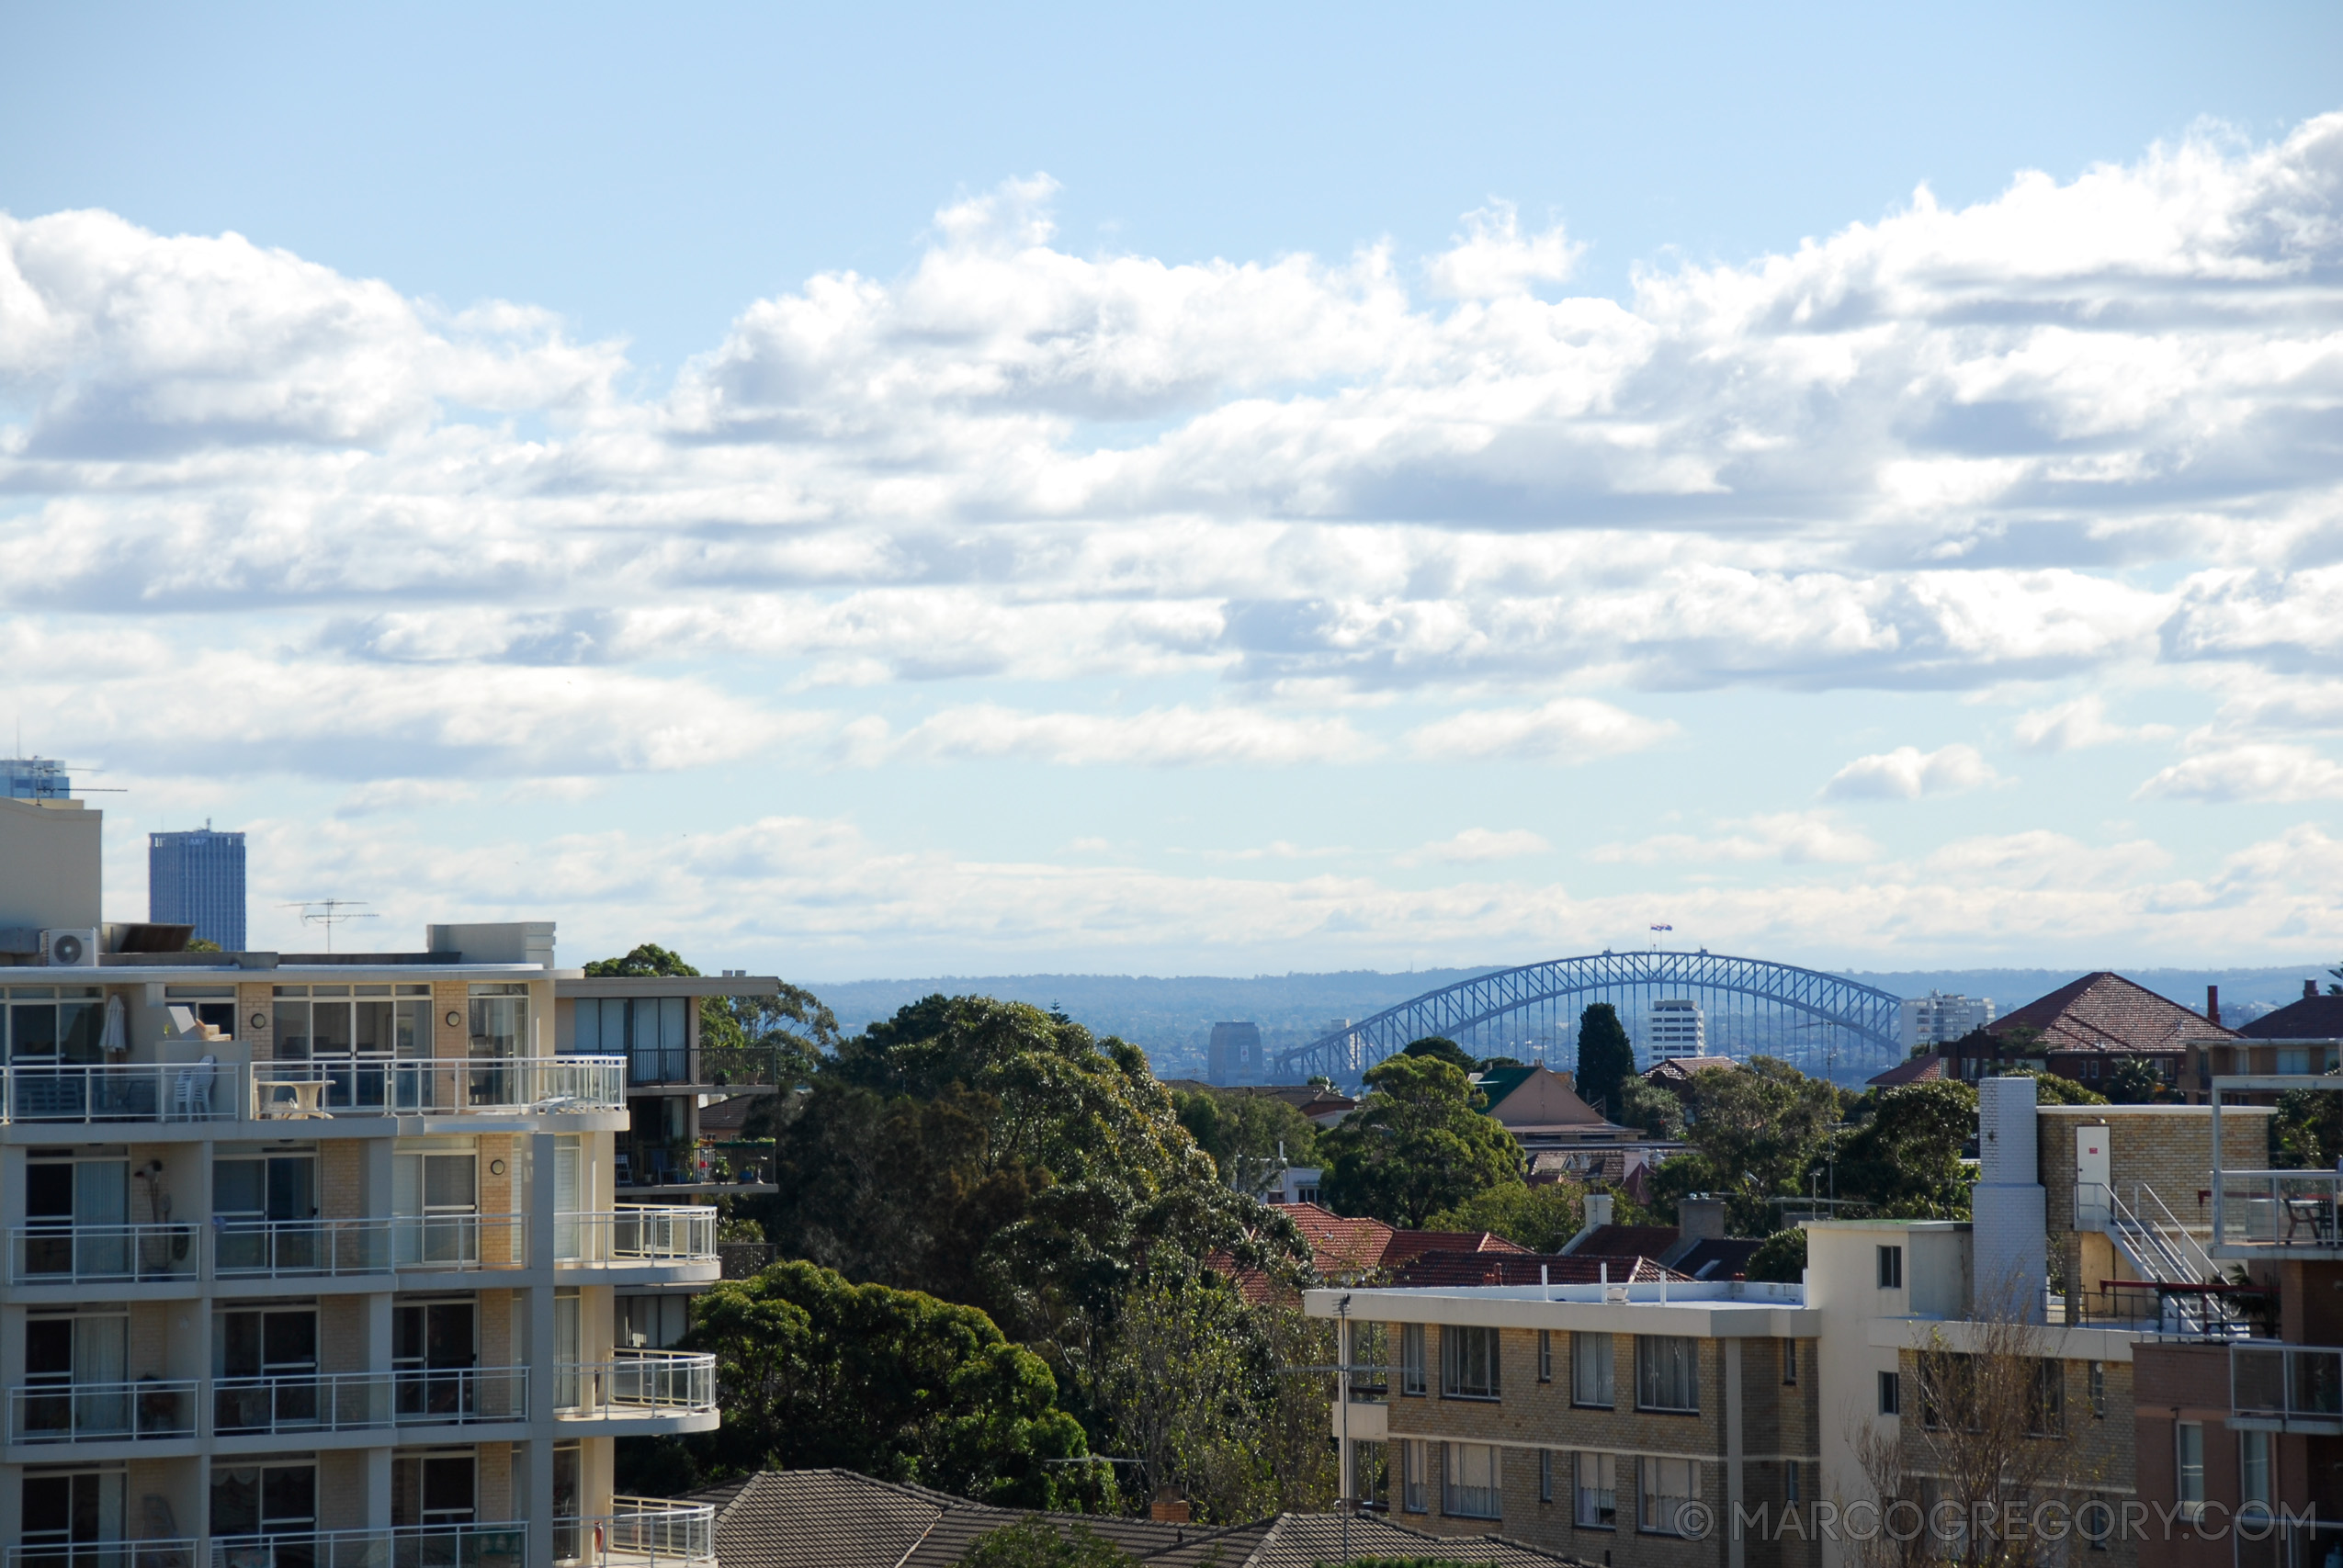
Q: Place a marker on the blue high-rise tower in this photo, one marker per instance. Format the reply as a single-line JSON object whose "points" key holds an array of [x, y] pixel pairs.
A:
{"points": [[198, 879]]}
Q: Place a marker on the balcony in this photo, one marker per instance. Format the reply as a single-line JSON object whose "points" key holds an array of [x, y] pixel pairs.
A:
{"points": [[637, 1383], [2295, 1210], [105, 1412], [145, 1091], [639, 1533], [2286, 1388], [416, 1546], [277, 1249], [65, 1254], [390, 1085], [180, 1553], [631, 1237], [353, 1402]]}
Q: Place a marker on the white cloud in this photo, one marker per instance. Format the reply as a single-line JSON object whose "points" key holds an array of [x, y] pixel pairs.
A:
{"points": [[1174, 737], [2083, 722], [1474, 845], [2255, 772], [1793, 837], [1908, 773], [1567, 729]]}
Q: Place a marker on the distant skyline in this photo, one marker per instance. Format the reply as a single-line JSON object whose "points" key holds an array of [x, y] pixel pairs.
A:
{"points": [[1312, 488]]}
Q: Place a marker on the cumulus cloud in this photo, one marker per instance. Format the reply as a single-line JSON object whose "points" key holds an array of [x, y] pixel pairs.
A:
{"points": [[1908, 773], [1474, 845], [1567, 729], [2269, 771], [1174, 737], [2083, 722]]}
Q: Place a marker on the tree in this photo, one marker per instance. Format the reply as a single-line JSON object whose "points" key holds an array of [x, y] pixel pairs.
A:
{"points": [[1905, 1160], [1416, 1146], [2308, 1132], [2135, 1080], [1541, 1217], [1038, 1543], [1606, 1058], [1249, 1136], [1651, 1110], [1441, 1049], [814, 1372], [1781, 1259], [1755, 1132], [2050, 1088], [745, 1039]]}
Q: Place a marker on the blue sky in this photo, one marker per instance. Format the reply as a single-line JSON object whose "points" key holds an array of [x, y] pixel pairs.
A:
{"points": [[906, 491]]}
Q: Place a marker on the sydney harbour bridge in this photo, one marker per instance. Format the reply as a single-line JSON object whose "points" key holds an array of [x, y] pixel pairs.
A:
{"points": [[1823, 1024]]}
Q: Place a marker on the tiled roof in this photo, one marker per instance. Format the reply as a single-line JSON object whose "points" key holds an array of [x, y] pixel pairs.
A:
{"points": [[2103, 1012], [2313, 1018], [1685, 1066], [1911, 1069], [815, 1518], [1627, 1241], [1342, 1247], [1405, 1245]]}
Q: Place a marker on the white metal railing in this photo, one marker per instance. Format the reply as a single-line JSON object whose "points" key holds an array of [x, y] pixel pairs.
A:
{"points": [[142, 1091], [2299, 1386], [637, 1382], [621, 1237], [81, 1413], [343, 1402], [160, 1554], [2277, 1208], [406, 1085], [639, 1533], [63, 1253], [416, 1546], [282, 1248]]}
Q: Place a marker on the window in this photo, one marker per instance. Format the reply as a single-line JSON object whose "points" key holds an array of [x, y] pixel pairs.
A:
{"points": [[1469, 1481], [651, 1033], [1590, 1370], [265, 1498], [1668, 1484], [1790, 1484], [350, 1031], [1789, 1361], [73, 1207], [1545, 1475], [1467, 1362], [433, 1344], [500, 1021], [2188, 1468], [1412, 1367], [2099, 1389], [2046, 1400], [1371, 1474], [431, 1489], [1667, 1372], [2253, 1471], [1544, 1356], [439, 1195], [1597, 1500], [58, 1024], [190, 1007], [1411, 1485], [1891, 1393], [655, 1323], [75, 1365], [2095, 1521], [569, 1493], [1891, 1268], [259, 1204], [63, 1510], [264, 1364]]}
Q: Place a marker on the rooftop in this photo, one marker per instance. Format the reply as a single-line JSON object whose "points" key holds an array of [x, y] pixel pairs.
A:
{"points": [[2102, 1011]]}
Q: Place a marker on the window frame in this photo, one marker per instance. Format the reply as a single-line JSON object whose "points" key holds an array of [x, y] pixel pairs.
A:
{"points": [[2188, 1472], [1413, 1382], [1545, 1355], [1891, 1393], [1414, 1496], [1584, 1498], [1603, 1366], [1649, 1496], [1650, 1373], [1461, 1347], [1458, 1501], [1888, 1265]]}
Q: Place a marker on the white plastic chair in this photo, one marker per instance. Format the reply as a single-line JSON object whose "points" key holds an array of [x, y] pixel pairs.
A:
{"points": [[192, 1088]]}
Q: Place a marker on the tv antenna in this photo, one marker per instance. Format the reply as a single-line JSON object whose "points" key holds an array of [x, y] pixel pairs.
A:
{"points": [[328, 912]]}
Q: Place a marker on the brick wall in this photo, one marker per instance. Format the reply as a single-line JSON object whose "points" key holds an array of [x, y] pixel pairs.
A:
{"points": [[340, 1334], [341, 1180], [255, 1001], [496, 1502], [341, 1489], [447, 997], [2168, 1149]]}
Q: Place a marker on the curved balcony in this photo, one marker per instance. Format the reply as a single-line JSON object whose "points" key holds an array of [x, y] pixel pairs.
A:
{"points": [[630, 1237], [639, 1533], [636, 1383]]}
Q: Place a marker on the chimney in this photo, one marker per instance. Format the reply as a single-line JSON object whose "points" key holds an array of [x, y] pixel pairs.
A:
{"points": [[2008, 1230], [1700, 1217], [2212, 1005], [2310, 990], [1170, 1507]]}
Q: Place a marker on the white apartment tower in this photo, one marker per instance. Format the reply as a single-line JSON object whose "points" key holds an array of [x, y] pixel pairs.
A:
{"points": [[1937, 1019], [1677, 1026], [317, 1262]]}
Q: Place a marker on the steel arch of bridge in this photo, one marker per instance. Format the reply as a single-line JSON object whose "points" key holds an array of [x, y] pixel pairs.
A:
{"points": [[1857, 1023]]}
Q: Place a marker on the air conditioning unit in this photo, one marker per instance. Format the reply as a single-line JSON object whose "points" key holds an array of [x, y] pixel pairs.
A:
{"points": [[70, 949]]}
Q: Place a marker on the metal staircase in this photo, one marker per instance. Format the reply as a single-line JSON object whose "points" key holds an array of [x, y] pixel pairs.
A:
{"points": [[2159, 1248]]}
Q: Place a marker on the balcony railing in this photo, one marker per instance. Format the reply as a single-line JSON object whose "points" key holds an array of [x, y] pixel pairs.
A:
{"points": [[2278, 1208], [2295, 1388], [637, 1382], [346, 1401], [287, 1248], [639, 1533], [417, 1545], [391, 1086], [145, 1091], [106, 1412], [63, 1253], [625, 1237], [180, 1553]]}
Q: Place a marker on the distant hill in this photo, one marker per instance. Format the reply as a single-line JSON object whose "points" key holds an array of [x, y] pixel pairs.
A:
{"points": [[1171, 1017]]}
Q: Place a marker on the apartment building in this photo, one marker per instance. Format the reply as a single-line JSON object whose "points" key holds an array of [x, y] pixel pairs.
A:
{"points": [[317, 1262]]}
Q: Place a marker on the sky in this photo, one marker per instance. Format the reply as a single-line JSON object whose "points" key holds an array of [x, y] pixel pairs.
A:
{"points": [[897, 491]]}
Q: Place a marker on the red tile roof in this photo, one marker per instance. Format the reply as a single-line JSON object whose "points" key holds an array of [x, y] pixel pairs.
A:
{"points": [[1911, 1069], [1342, 1247], [2313, 1018], [2105, 1012]]}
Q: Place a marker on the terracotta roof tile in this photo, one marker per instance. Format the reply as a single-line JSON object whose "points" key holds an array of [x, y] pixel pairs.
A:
{"points": [[2312, 1018], [1911, 1069], [2105, 1012]]}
